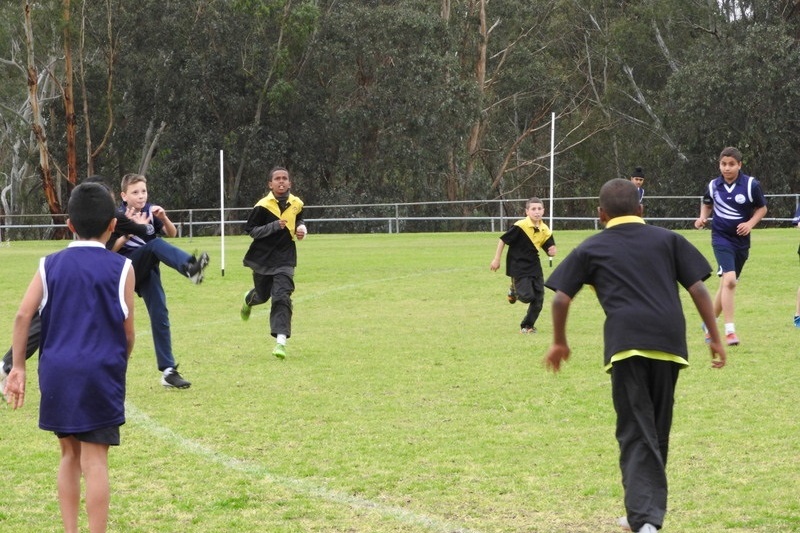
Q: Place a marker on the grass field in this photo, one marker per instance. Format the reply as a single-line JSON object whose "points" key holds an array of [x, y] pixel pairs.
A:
{"points": [[409, 402]]}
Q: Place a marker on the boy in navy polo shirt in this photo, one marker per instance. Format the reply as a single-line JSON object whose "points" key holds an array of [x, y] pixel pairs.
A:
{"points": [[738, 204], [524, 240], [635, 270]]}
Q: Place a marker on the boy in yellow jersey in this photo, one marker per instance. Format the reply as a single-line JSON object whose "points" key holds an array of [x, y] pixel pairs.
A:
{"points": [[636, 270], [525, 238], [274, 224]]}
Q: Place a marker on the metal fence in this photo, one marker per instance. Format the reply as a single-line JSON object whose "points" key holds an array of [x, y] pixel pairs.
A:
{"points": [[415, 217]]}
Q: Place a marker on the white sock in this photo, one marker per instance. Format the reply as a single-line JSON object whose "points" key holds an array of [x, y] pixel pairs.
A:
{"points": [[729, 328], [281, 338]]}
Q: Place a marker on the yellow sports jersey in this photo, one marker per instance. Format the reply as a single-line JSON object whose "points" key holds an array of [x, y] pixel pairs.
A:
{"points": [[537, 235]]}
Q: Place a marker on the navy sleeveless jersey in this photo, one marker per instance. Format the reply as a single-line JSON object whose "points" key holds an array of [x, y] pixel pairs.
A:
{"points": [[83, 350]]}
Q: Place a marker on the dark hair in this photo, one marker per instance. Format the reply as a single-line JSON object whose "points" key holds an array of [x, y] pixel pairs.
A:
{"points": [[619, 197], [638, 172], [90, 210], [274, 170], [730, 151], [100, 180], [533, 200]]}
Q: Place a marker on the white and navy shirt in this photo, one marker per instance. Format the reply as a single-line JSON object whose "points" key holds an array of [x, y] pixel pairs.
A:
{"points": [[733, 203], [137, 241]]}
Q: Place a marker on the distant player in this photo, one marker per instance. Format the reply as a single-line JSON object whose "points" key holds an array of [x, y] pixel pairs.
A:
{"points": [[637, 177], [796, 222], [525, 238], [274, 224], [738, 204]]}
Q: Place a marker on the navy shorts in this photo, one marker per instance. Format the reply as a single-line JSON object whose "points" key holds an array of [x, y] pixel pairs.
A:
{"points": [[109, 435], [730, 259]]}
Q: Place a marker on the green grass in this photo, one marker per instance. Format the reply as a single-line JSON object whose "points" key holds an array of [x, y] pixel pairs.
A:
{"points": [[409, 402]]}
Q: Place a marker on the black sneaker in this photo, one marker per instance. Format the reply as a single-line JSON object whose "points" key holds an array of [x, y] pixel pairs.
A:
{"points": [[196, 267], [172, 379]]}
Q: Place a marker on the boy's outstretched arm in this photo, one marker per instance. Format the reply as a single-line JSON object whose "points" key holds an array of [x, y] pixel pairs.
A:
{"points": [[559, 349], [702, 301]]}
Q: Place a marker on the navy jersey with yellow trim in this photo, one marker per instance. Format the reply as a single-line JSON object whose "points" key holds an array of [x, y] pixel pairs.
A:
{"points": [[273, 247]]}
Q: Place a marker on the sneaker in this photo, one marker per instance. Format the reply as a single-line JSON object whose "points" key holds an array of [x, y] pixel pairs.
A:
{"points": [[647, 528], [797, 321], [244, 312], [732, 339], [527, 330], [512, 296], [196, 268], [172, 379], [279, 351], [705, 331]]}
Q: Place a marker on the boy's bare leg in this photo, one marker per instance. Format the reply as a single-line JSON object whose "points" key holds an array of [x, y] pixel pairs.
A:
{"points": [[727, 292], [94, 463], [69, 482]]}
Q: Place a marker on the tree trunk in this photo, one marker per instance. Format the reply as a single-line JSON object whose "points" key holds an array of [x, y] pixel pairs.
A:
{"points": [[69, 100], [38, 131]]}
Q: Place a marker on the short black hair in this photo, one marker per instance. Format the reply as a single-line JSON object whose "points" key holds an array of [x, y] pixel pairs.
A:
{"points": [[90, 210], [273, 170], [619, 197]]}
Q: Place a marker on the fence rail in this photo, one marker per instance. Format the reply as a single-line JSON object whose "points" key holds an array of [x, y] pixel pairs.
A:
{"points": [[466, 215]]}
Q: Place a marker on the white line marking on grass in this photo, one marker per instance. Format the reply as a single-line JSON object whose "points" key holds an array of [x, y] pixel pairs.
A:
{"points": [[141, 419]]}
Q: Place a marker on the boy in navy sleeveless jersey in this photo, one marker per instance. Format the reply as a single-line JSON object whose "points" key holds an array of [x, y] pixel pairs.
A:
{"points": [[274, 224], [524, 240], [635, 270], [738, 204], [84, 295]]}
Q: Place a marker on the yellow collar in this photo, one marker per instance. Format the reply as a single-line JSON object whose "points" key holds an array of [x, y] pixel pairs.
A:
{"points": [[626, 219]]}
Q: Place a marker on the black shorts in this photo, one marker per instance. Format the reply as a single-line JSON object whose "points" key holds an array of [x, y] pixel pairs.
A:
{"points": [[109, 435]]}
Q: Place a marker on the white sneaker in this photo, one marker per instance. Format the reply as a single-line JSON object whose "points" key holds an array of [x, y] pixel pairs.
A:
{"points": [[622, 522]]}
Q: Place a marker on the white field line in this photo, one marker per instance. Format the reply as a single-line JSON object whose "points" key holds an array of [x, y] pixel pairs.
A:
{"points": [[136, 416], [141, 419]]}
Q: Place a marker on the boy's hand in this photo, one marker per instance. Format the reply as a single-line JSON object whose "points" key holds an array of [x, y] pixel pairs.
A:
{"points": [[15, 388], [551, 251], [743, 229], [495, 264], [718, 356], [139, 217], [700, 223], [555, 356], [158, 212], [300, 232]]}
